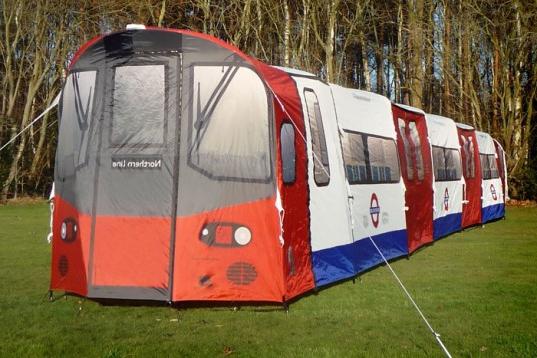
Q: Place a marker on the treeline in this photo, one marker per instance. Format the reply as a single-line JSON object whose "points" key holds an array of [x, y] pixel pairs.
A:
{"points": [[472, 60]]}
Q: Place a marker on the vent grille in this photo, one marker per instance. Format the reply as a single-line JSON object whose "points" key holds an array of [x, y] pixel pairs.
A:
{"points": [[241, 273], [63, 265]]}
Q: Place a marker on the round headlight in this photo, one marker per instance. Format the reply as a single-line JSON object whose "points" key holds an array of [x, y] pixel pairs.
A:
{"points": [[242, 236], [63, 231]]}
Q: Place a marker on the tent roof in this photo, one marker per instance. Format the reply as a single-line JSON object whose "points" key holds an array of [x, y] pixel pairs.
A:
{"points": [[442, 131], [485, 143], [465, 126], [409, 108], [363, 111], [296, 72]]}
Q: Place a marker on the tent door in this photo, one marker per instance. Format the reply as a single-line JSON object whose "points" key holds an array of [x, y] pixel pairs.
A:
{"points": [[471, 209], [417, 175], [135, 182]]}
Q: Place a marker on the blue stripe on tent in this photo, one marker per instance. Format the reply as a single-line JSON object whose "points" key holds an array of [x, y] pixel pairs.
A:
{"points": [[341, 262], [493, 212], [446, 225]]}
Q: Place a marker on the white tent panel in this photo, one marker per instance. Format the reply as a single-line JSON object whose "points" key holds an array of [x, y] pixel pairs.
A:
{"points": [[449, 181], [442, 131], [492, 193], [363, 111], [376, 188], [330, 222]]}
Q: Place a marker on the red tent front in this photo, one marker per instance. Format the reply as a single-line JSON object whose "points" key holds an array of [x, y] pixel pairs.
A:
{"points": [[471, 170], [416, 169], [160, 195]]}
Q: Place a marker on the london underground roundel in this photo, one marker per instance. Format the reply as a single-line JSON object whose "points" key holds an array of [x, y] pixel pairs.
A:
{"points": [[374, 210], [493, 192], [446, 200]]}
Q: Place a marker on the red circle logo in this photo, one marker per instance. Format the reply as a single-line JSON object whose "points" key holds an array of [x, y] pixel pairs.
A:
{"points": [[374, 210]]}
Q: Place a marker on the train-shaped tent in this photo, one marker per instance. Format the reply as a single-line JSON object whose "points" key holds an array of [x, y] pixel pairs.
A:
{"points": [[188, 171]]}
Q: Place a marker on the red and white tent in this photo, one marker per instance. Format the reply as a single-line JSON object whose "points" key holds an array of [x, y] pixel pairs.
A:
{"points": [[187, 171]]}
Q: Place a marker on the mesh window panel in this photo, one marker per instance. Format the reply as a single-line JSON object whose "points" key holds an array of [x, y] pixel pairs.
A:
{"points": [[321, 167], [288, 155], [453, 164], [416, 141], [354, 158], [383, 160], [439, 163], [493, 166], [229, 133], [408, 149], [138, 105]]}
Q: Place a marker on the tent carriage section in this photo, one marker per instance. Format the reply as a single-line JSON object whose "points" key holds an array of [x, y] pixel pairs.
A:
{"points": [[328, 208], [167, 187], [416, 170], [448, 179], [471, 170], [493, 205], [376, 191]]}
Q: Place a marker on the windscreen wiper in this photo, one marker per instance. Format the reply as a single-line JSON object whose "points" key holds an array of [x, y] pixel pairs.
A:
{"points": [[204, 115]]}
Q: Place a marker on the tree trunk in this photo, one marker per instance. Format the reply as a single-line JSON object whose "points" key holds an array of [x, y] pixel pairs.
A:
{"points": [[447, 109], [415, 28]]}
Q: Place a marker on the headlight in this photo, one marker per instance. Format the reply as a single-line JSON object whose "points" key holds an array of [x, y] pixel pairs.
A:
{"points": [[63, 232], [242, 236], [69, 230]]}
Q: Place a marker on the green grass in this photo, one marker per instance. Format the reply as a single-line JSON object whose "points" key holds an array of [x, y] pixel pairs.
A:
{"points": [[478, 289]]}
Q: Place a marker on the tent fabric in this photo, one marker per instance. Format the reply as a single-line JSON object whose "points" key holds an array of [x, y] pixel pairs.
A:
{"points": [[328, 209], [157, 92], [448, 178], [415, 157], [471, 169], [376, 193], [188, 171], [296, 251], [493, 206]]}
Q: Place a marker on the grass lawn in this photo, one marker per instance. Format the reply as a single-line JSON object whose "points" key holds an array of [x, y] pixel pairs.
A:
{"points": [[478, 289]]}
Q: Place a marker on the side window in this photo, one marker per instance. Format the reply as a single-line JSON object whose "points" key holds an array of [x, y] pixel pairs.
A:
{"points": [[321, 166], [76, 116], [288, 155], [408, 149], [354, 158], [439, 163], [447, 164], [493, 165], [138, 107], [383, 160], [229, 134], [485, 168], [370, 159], [453, 164], [471, 155], [469, 161], [416, 146]]}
